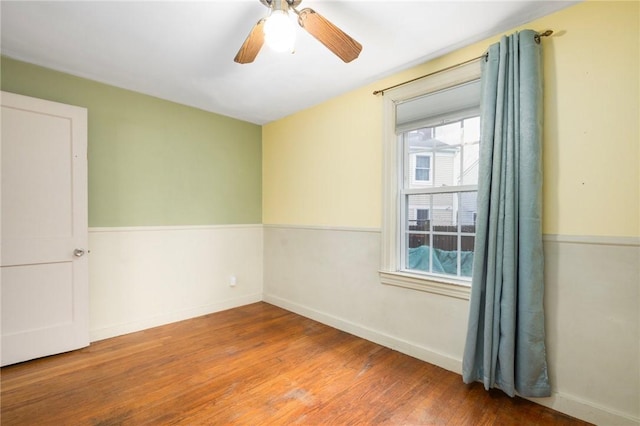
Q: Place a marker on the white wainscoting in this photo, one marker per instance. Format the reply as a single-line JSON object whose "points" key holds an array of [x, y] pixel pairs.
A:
{"points": [[592, 305], [142, 277], [331, 275]]}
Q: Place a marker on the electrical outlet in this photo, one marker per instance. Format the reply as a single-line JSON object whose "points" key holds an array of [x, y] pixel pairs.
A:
{"points": [[232, 281]]}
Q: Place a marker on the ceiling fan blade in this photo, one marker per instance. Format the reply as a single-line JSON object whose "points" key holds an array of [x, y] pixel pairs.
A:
{"points": [[328, 34], [251, 46]]}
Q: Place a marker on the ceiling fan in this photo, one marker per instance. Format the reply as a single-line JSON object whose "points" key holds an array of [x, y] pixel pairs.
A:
{"points": [[278, 30]]}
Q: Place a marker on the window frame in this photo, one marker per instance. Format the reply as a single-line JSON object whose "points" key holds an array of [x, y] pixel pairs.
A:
{"points": [[391, 256]]}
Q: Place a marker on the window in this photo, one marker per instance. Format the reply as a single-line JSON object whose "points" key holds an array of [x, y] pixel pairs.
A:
{"points": [[422, 216], [430, 182], [442, 243], [423, 168]]}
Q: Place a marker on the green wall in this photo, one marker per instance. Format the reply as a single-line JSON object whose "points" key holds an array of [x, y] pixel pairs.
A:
{"points": [[154, 162]]}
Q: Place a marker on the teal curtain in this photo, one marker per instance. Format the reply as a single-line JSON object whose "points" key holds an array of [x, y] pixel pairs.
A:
{"points": [[505, 345]]}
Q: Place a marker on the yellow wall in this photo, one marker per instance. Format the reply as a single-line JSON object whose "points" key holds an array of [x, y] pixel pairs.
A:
{"points": [[322, 166]]}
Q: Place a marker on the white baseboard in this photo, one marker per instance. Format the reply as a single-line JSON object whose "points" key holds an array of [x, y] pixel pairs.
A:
{"points": [[567, 404], [170, 317], [406, 347], [586, 410]]}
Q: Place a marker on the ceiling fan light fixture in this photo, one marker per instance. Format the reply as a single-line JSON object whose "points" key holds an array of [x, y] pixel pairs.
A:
{"points": [[280, 31]]}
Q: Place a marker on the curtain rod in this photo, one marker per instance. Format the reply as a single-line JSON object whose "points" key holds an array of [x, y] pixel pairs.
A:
{"points": [[547, 33]]}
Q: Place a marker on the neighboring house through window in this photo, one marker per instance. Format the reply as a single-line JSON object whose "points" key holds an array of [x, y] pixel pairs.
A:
{"points": [[430, 182], [423, 168], [422, 216]]}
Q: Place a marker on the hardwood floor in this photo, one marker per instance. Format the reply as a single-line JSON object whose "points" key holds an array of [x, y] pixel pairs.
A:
{"points": [[254, 365]]}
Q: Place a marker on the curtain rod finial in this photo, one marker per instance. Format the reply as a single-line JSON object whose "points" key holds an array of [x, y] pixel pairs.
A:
{"points": [[546, 33]]}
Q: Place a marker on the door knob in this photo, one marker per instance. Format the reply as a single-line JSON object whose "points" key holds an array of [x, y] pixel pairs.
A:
{"points": [[78, 252]]}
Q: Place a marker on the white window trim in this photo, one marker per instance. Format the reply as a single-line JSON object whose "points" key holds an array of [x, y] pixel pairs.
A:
{"points": [[392, 175]]}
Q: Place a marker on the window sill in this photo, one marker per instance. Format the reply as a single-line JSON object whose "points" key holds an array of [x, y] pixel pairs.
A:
{"points": [[428, 284]]}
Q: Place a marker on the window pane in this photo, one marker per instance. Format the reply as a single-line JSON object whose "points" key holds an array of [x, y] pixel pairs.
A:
{"points": [[447, 165], [471, 130], [445, 242], [443, 213], [423, 214], [449, 134], [422, 174], [418, 210], [469, 172], [417, 240], [422, 161], [467, 213], [445, 254], [466, 256], [419, 153], [418, 254]]}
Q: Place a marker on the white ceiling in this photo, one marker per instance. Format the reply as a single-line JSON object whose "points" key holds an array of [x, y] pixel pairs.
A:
{"points": [[183, 51]]}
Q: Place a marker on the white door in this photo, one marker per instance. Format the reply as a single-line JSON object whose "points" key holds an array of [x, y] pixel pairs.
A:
{"points": [[44, 266]]}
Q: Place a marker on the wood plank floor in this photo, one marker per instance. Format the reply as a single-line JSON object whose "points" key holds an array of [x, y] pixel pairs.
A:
{"points": [[254, 365]]}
